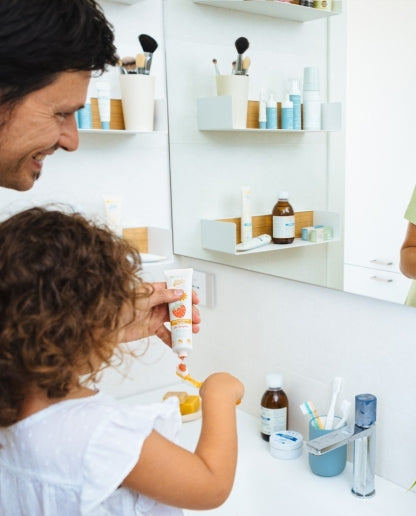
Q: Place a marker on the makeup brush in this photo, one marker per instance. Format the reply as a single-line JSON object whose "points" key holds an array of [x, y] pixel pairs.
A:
{"points": [[246, 65], [140, 63], [217, 71], [241, 44], [149, 46], [128, 64]]}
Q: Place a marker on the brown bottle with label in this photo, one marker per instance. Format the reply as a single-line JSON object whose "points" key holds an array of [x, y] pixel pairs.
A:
{"points": [[283, 221], [274, 407]]}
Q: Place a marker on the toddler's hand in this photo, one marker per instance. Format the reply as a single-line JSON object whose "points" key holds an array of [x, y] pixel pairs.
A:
{"points": [[223, 384]]}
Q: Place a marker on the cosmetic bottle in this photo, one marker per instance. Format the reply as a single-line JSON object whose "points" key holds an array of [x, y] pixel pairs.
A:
{"points": [[294, 96], [84, 113], [246, 225], [311, 99], [283, 220], [271, 113], [262, 111], [274, 407], [287, 113]]}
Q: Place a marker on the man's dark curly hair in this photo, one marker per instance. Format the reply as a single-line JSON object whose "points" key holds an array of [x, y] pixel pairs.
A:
{"points": [[66, 285], [41, 38]]}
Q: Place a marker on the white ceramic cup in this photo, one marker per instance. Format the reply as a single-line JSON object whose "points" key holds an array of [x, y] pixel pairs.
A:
{"points": [[138, 101], [237, 87]]}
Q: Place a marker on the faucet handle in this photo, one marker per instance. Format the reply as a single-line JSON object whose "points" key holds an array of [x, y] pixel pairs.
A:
{"points": [[330, 441]]}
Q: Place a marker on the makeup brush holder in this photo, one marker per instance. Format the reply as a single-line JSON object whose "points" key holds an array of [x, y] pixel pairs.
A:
{"points": [[138, 100], [235, 86]]}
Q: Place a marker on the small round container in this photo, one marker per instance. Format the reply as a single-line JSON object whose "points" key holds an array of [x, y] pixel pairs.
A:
{"points": [[286, 444]]}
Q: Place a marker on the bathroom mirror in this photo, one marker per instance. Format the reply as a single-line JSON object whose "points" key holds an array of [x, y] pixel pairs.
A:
{"points": [[361, 175]]}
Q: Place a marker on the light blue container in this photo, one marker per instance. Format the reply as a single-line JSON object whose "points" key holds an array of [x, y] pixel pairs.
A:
{"points": [[294, 96], [329, 464], [85, 117], [271, 113]]}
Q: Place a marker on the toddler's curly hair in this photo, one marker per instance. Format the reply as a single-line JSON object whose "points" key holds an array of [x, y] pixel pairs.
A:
{"points": [[65, 285]]}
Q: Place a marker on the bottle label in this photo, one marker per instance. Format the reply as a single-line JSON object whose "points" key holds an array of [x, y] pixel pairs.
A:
{"points": [[273, 420], [283, 226]]}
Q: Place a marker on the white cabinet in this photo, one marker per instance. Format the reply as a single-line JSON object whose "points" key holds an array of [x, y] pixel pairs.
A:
{"points": [[380, 175], [376, 283]]}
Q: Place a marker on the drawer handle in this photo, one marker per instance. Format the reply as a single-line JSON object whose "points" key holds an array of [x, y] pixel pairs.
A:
{"points": [[381, 262], [382, 280]]}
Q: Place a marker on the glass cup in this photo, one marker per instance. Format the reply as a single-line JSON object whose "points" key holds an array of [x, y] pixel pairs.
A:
{"points": [[329, 464]]}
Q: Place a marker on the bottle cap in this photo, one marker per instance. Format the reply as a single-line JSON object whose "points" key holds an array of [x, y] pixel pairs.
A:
{"points": [[271, 102], [311, 78], [294, 87], [286, 444], [287, 103], [283, 195], [274, 380], [365, 410]]}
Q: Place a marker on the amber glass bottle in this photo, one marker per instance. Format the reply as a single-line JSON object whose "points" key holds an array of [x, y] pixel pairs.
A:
{"points": [[283, 218], [274, 407]]}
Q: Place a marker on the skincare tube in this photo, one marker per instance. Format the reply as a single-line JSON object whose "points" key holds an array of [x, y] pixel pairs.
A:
{"points": [[180, 312], [113, 214], [262, 111], [246, 224], [104, 106]]}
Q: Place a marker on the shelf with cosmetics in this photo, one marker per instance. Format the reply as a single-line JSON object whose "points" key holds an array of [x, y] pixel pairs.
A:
{"points": [[216, 114], [275, 9], [223, 235], [117, 120]]}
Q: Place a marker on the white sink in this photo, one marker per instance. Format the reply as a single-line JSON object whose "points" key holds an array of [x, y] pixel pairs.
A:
{"points": [[265, 486]]}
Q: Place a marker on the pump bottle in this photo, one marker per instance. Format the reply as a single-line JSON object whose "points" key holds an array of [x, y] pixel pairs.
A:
{"points": [[274, 407], [271, 113]]}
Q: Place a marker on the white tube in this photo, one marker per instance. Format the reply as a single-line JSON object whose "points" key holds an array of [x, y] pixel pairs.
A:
{"points": [[104, 106], [113, 214], [246, 224], [180, 312]]}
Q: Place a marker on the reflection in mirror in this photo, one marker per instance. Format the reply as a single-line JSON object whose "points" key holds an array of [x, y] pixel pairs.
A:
{"points": [[208, 167]]}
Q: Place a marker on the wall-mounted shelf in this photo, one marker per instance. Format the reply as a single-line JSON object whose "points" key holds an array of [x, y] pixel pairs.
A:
{"points": [[221, 235], [274, 9], [216, 114], [129, 2], [115, 131]]}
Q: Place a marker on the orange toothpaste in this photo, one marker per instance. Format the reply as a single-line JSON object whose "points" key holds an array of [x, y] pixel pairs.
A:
{"points": [[180, 312]]}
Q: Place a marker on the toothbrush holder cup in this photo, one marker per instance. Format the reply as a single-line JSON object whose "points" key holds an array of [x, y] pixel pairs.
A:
{"points": [[138, 101], [235, 86], [329, 464]]}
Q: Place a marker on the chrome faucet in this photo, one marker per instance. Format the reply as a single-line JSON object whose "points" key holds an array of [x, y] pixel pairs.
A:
{"points": [[363, 433]]}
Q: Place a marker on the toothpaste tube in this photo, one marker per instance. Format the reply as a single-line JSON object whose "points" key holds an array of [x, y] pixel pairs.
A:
{"points": [[180, 312]]}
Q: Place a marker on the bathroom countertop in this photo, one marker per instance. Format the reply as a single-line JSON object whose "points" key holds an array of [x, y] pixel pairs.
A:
{"points": [[267, 486]]}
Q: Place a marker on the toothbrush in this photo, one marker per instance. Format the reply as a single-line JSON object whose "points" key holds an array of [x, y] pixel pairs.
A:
{"points": [[336, 387], [345, 411], [182, 372], [307, 407]]}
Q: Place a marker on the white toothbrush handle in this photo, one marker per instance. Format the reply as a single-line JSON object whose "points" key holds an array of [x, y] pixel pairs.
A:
{"points": [[330, 416]]}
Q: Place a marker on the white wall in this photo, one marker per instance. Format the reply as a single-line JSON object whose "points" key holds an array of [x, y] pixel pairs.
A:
{"points": [[260, 323]]}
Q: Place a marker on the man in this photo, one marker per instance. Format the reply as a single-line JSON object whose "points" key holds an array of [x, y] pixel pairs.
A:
{"points": [[48, 50]]}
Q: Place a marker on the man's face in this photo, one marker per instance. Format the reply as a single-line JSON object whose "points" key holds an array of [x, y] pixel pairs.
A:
{"points": [[40, 124]]}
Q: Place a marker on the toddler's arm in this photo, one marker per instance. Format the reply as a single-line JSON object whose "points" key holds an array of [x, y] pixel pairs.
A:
{"points": [[203, 479]]}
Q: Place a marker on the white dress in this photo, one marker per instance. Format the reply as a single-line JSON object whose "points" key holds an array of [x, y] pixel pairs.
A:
{"points": [[70, 458]]}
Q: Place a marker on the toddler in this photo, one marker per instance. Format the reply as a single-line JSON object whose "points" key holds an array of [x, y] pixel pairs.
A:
{"points": [[69, 293]]}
